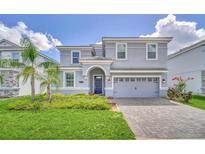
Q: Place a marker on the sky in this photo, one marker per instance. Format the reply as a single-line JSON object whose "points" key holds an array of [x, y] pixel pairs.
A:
{"points": [[48, 31]]}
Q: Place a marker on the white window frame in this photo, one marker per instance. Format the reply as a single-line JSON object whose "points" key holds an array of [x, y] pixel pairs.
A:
{"points": [[64, 79], [72, 55], [117, 43], [147, 44]]}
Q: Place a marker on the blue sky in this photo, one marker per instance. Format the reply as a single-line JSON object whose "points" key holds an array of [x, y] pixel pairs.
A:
{"points": [[88, 29]]}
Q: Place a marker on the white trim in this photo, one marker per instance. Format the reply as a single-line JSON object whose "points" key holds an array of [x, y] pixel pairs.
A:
{"points": [[96, 61], [74, 75], [94, 66], [70, 68], [10, 69], [9, 88], [108, 88], [152, 76], [163, 88], [186, 49], [138, 71], [94, 82], [147, 51], [167, 39], [71, 88], [74, 47], [72, 56], [116, 51]]}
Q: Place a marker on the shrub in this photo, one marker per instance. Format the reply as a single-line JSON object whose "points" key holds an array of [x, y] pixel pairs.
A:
{"points": [[187, 96], [178, 92], [37, 106], [60, 101]]}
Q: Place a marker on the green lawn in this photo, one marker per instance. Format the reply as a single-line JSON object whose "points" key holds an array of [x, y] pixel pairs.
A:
{"points": [[197, 101], [61, 123]]}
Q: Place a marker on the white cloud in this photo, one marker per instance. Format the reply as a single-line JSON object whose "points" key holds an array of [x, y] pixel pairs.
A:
{"points": [[99, 42], [40, 40], [184, 33]]}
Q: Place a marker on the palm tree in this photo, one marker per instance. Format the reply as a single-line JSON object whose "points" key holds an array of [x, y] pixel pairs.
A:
{"points": [[1, 79], [29, 64], [49, 77]]}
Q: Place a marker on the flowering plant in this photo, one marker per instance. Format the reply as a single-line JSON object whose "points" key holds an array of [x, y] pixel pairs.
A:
{"points": [[181, 83], [178, 92]]}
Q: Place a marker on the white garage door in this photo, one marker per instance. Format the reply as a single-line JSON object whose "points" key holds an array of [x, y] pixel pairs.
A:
{"points": [[136, 87]]}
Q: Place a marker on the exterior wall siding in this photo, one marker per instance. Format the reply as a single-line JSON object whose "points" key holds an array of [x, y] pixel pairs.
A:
{"points": [[189, 64], [65, 56], [136, 56]]}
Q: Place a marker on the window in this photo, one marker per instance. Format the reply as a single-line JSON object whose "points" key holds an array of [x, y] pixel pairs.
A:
{"points": [[149, 79], [15, 56], [143, 79], [151, 51], [75, 57], [121, 51], [132, 79], [115, 80], [127, 79], [120, 79], [138, 79], [69, 79]]}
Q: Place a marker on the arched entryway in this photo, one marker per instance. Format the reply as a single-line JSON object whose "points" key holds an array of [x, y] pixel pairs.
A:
{"points": [[97, 80]]}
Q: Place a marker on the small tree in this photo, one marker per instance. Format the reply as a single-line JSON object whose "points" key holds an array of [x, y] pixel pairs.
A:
{"points": [[29, 65], [178, 92], [49, 77], [181, 83]]}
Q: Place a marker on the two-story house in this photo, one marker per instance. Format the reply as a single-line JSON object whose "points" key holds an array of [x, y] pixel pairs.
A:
{"points": [[119, 67], [189, 62], [12, 87]]}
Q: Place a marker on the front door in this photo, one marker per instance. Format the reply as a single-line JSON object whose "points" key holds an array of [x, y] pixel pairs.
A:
{"points": [[98, 84]]}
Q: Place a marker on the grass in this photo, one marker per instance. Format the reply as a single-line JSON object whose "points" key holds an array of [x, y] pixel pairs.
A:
{"points": [[197, 101], [61, 123]]}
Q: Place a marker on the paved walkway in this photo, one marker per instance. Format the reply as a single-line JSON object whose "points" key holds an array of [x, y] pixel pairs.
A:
{"points": [[157, 118]]}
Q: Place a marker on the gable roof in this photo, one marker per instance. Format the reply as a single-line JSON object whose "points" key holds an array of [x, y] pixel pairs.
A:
{"points": [[9, 44], [167, 39], [14, 46], [187, 49]]}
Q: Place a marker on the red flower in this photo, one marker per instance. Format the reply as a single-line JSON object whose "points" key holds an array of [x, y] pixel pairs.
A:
{"points": [[174, 78]]}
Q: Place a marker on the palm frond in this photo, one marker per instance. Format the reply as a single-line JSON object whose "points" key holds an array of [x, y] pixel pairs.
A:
{"points": [[30, 52], [26, 72], [1, 78]]}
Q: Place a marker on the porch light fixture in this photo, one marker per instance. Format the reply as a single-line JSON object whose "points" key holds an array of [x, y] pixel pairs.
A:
{"points": [[163, 80]]}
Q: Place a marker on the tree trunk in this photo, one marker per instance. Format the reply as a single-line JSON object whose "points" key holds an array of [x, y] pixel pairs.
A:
{"points": [[33, 88], [49, 93]]}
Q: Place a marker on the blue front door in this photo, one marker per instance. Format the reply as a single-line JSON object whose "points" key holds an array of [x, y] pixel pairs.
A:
{"points": [[98, 84]]}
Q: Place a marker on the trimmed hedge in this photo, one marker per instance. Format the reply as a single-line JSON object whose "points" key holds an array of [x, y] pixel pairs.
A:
{"points": [[60, 101]]}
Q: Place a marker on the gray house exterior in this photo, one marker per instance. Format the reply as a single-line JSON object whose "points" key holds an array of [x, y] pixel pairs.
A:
{"points": [[189, 62], [119, 67], [12, 87]]}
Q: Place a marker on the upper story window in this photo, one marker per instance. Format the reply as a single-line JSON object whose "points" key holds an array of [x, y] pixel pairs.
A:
{"points": [[75, 57], [15, 56], [69, 79], [151, 53], [121, 51]]}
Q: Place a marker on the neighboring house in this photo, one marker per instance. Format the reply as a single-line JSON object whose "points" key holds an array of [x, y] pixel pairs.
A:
{"points": [[12, 87], [189, 62], [119, 67]]}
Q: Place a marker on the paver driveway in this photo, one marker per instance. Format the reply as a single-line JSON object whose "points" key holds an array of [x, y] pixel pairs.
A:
{"points": [[158, 118]]}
